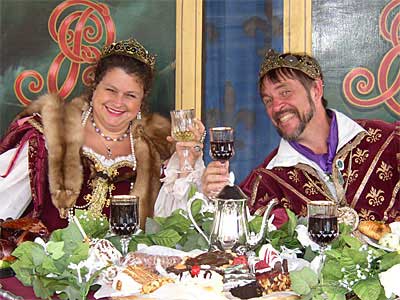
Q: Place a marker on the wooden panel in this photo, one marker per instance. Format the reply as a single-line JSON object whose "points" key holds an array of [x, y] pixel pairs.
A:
{"points": [[297, 26], [189, 18]]}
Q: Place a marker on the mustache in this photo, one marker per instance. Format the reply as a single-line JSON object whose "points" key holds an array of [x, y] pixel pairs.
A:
{"points": [[278, 115]]}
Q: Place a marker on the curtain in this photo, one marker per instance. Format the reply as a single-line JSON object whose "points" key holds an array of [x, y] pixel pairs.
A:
{"points": [[237, 34]]}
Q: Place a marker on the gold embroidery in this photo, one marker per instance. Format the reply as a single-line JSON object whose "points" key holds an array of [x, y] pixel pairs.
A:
{"points": [[285, 203], [371, 168], [360, 156], [384, 171], [294, 176], [366, 214], [309, 189], [375, 197], [352, 176], [374, 135]]}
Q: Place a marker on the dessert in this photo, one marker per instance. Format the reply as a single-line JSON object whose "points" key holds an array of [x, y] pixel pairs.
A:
{"points": [[134, 277]]}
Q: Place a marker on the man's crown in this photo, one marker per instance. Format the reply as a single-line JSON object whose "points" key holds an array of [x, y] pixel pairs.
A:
{"points": [[131, 48], [304, 63]]}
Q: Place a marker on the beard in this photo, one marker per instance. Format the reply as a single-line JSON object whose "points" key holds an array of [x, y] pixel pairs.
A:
{"points": [[304, 119]]}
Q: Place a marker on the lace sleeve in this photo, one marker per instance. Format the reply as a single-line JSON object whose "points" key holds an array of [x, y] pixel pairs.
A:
{"points": [[174, 192]]}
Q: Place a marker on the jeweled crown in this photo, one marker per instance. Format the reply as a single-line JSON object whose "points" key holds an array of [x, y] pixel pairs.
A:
{"points": [[302, 62], [131, 48]]}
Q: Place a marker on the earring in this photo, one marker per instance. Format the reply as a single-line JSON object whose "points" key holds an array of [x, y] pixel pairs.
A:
{"points": [[139, 115]]}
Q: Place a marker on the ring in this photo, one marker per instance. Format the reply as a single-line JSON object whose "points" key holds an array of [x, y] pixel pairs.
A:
{"points": [[197, 148], [203, 137]]}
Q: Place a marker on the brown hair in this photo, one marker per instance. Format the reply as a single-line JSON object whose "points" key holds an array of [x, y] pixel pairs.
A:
{"points": [[129, 65], [278, 74]]}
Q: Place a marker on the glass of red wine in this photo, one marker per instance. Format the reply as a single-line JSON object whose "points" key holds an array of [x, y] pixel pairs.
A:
{"points": [[124, 218], [323, 225], [221, 143]]}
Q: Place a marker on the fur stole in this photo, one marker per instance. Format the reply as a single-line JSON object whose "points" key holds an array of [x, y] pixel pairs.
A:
{"points": [[62, 127]]}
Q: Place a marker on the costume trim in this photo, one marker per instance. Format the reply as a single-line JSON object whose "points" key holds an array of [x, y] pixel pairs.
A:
{"points": [[371, 169]]}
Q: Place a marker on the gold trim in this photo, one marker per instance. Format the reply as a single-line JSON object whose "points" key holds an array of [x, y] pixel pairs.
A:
{"points": [[371, 169], [35, 124], [285, 184], [297, 26], [390, 206], [189, 21]]}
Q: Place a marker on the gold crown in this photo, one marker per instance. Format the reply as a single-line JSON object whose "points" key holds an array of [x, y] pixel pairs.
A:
{"points": [[131, 48], [304, 63]]}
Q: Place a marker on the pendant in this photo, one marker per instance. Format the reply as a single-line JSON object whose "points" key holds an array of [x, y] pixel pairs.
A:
{"points": [[348, 216]]}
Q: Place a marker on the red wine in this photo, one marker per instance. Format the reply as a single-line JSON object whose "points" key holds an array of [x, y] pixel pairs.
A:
{"points": [[221, 150], [124, 218], [323, 229]]}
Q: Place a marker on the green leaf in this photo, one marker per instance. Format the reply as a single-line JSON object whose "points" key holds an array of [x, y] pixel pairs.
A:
{"points": [[292, 222], [40, 290], [95, 227], [152, 226], [389, 260], [55, 249], [196, 207], [331, 270], [334, 292], [255, 224], [178, 223], [368, 289], [167, 238]]}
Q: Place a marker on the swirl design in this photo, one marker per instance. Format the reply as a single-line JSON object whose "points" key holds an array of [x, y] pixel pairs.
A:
{"points": [[76, 36], [363, 79]]}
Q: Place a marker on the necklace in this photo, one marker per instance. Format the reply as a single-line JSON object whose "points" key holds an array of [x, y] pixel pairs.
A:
{"points": [[108, 138]]}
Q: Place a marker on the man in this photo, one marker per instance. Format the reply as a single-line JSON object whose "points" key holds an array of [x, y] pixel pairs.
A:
{"points": [[323, 154]]}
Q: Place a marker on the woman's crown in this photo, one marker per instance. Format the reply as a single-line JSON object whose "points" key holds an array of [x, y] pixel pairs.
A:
{"points": [[131, 48], [304, 63]]}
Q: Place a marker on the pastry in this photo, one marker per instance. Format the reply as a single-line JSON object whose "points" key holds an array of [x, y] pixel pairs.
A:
{"points": [[374, 229]]}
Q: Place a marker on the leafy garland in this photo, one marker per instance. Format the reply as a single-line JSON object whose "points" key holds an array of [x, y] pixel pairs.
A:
{"points": [[350, 270]]}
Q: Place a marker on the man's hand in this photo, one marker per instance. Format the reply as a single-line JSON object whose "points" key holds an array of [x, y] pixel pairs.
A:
{"points": [[215, 177]]}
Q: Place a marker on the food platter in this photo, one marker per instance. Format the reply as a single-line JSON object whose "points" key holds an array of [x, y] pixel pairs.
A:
{"points": [[372, 242]]}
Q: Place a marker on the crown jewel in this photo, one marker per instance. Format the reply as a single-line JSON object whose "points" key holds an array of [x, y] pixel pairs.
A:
{"points": [[131, 48], [304, 63]]}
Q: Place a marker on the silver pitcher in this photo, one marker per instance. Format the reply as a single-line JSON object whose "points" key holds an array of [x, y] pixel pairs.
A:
{"points": [[230, 229]]}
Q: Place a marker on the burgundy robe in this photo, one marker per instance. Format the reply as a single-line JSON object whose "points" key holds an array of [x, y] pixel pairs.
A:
{"points": [[371, 177]]}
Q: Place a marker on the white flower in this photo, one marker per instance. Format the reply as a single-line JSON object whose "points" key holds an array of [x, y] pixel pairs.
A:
{"points": [[390, 281], [304, 238]]}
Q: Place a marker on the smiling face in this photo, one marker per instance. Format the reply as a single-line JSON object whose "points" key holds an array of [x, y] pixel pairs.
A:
{"points": [[289, 105], [116, 100]]}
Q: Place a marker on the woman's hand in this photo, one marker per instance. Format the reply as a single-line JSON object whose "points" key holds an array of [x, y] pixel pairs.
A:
{"points": [[195, 147], [214, 178]]}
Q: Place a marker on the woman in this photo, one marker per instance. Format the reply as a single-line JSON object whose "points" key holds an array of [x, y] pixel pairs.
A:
{"points": [[91, 148]]}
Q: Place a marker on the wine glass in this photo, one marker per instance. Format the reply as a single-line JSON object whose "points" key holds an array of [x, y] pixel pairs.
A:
{"points": [[221, 143], [322, 224], [181, 120], [124, 218]]}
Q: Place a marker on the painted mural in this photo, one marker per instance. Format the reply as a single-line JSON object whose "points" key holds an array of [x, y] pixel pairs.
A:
{"points": [[49, 46], [359, 51]]}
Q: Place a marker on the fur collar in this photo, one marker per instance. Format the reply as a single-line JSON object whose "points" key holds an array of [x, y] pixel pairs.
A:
{"points": [[62, 127]]}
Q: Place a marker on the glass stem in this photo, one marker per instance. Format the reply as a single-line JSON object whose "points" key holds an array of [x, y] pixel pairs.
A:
{"points": [[124, 245]]}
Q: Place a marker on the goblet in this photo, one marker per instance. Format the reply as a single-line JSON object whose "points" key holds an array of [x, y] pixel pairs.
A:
{"points": [[124, 218], [322, 224], [221, 143], [181, 120]]}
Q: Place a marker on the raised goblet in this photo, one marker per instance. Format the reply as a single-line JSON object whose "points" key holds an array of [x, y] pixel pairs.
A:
{"points": [[181, 121], [221, 143]]}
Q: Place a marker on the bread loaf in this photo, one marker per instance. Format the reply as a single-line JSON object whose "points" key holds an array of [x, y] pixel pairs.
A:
{"points": [[373, 229]]}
